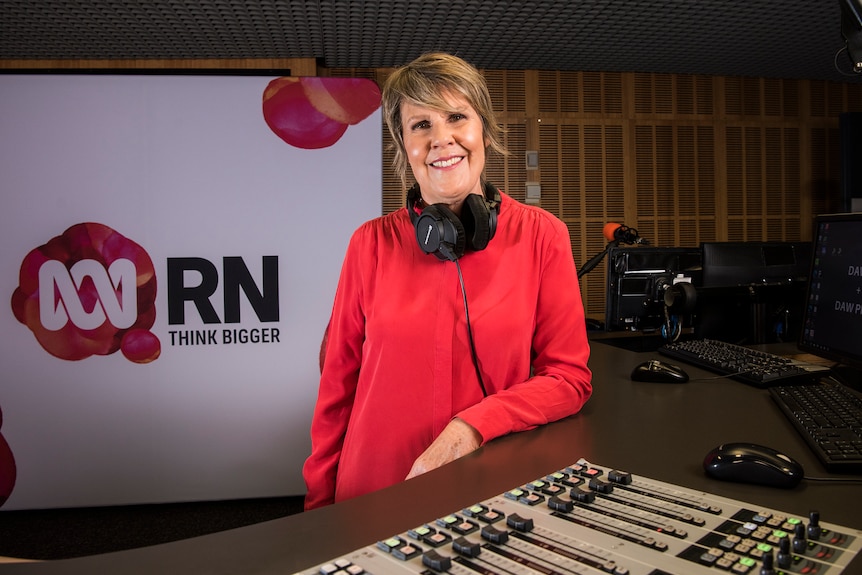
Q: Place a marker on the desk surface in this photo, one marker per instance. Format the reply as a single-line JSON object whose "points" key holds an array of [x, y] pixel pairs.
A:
{"points": [[659, 431]]}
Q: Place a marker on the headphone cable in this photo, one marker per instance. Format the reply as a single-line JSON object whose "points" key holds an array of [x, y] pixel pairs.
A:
{"points": [[470, 331]]}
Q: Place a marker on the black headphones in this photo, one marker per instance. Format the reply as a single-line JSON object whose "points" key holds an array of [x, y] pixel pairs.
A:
{"points": [[679, 298], [440, 232]]}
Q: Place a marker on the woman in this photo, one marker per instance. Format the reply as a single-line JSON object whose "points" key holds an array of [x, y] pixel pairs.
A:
{"points": [[427, 358]]}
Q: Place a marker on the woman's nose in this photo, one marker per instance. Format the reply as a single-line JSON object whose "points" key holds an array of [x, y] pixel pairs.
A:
{"points": [[441, 135]]}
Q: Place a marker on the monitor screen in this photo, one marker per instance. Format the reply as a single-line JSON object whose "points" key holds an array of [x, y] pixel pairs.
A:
{"points": [[731, 264], [832, 322]]}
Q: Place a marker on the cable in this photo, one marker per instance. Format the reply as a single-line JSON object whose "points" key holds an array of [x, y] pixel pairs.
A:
{"points": [[725, 376], [470, 331], [838, 68], [672, 328], [834, 479]]}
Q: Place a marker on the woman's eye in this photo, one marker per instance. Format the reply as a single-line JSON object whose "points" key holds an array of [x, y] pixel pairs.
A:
{"points": [[421, 125], [456, 117]]}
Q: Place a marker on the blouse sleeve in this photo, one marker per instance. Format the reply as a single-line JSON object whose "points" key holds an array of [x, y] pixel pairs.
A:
{"points": [[340, 360], [560, 383]]}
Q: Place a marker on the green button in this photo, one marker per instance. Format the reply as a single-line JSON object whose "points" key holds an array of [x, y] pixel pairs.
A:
{"points": [[764, 547], [393, 542], [778, 533], [450, 519], [477, 509], [422, 531], [747, 561], [794, 521]]}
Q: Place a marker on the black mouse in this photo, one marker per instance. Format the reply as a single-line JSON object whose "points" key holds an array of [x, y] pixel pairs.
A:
{"points": [[752, 463], [659, 372]]}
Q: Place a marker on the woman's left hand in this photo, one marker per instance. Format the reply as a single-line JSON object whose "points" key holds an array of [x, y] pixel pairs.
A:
{"points": [[457, 438]]}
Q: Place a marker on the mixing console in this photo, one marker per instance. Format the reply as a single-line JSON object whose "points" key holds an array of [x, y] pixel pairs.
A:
{"points": [[587, 519]]}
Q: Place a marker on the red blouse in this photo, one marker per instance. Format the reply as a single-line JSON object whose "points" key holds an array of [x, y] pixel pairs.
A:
{"points": [[398, 365]]}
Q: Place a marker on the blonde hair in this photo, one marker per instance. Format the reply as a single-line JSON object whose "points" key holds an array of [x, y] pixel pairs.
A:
{"points": [[423, 82]]}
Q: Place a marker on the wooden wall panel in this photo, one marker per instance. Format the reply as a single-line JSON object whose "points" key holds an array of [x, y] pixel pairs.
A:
{"points": [[825, 166], [508, 172], [684, 159], [294, 66], [675, 183]]}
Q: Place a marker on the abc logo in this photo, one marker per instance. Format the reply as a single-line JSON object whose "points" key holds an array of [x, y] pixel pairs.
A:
{"points": [[89, 291]]}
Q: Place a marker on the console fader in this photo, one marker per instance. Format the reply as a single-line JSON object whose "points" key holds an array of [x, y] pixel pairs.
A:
{"points": [[587, 519]]}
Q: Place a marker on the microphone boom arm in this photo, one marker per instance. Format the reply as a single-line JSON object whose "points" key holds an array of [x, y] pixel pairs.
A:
{"points": [[594, 261]]}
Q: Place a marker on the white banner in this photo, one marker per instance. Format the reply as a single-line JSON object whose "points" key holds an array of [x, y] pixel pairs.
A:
{"points": [[169, 249]]}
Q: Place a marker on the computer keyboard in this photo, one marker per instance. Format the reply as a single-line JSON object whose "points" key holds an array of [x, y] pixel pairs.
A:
{"points": [[743, 364], [829, 418]]}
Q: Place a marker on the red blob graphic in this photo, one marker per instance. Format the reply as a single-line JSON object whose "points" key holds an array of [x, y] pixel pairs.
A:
{"points": [[90, 241], [7, 468], [313, 113], [140, 346]]}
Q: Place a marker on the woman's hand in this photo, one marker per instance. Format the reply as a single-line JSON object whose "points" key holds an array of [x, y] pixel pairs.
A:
{"points": [[457, 439]]}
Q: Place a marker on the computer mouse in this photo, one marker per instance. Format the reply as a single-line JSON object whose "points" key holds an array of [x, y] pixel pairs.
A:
{"points": [[752, 463], [659, 372]]}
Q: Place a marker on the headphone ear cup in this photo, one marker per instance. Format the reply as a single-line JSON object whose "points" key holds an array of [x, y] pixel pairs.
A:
{"points": [[492, 201], [480, 217], [412, 199], [475, 216], [440, 232], [680, 297]]}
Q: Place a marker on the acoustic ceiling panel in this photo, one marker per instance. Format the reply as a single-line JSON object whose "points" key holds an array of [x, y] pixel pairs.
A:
{"points": [[759, 38]]}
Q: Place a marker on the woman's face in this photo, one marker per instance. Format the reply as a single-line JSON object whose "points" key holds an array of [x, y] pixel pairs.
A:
{"points": [[446, 150]]}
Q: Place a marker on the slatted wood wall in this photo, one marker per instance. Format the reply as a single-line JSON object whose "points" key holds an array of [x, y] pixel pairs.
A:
{"points": [[684, 159]]}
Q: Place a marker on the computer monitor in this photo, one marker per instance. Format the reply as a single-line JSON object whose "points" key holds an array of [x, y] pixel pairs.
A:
{"points": [[732, 264], [752, 292], [832, 322]]}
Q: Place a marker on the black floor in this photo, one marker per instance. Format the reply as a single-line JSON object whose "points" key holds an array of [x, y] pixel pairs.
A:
{"points": [[66, 533]]}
